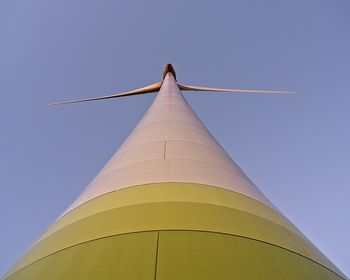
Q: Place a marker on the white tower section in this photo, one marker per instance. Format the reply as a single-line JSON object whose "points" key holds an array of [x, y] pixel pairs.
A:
{"points": [[170, 144]]}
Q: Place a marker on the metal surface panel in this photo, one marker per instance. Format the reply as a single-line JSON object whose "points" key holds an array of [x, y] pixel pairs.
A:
{"points": [[207, 256], [124, 257], [170, 170], [142, 136], [140, 153], [168, 255], [194, 151], [171, 192], [171, 216], [171, 124]]}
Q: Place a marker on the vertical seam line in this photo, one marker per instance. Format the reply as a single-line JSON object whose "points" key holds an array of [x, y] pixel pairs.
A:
{"points": [[164, 150], [156, 262]]}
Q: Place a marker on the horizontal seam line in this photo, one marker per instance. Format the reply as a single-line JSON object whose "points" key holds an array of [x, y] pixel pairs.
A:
{"points": [[194, 202], [141, 185], [169, 230], [262, 218], [207, 135], [220, 151], [174, 107], [161, 159]]}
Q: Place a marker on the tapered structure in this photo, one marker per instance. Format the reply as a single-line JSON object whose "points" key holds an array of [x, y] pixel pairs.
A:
{"points": [[170, 205]]}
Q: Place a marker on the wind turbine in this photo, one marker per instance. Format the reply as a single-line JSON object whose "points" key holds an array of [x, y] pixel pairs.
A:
{"points": [[172, 204], [157, 86]]}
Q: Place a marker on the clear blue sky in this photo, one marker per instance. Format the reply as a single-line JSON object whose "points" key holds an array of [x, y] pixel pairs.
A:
{"points": [[295, 148]]}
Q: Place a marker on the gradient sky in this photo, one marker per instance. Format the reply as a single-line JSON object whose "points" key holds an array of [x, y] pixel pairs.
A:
{"points": [[295, 148]]}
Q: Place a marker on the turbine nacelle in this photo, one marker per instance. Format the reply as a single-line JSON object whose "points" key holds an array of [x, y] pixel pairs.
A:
{"points": [[169, 69]]}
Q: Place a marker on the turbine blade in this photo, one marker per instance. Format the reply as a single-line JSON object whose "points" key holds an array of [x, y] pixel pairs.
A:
{"points": [[195, 88], [147, 89]]}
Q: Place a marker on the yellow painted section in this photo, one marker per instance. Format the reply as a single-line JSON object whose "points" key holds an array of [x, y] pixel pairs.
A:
{"points": [[208, 256], [175, 192], [125, 257], [174, 255], [171, 216]]}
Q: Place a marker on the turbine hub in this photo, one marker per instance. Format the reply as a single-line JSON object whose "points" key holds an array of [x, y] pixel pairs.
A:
{"points": [[169, 68]]}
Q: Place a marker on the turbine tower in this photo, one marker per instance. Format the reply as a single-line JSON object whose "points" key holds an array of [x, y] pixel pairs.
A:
{"points": [[171, 204]]}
